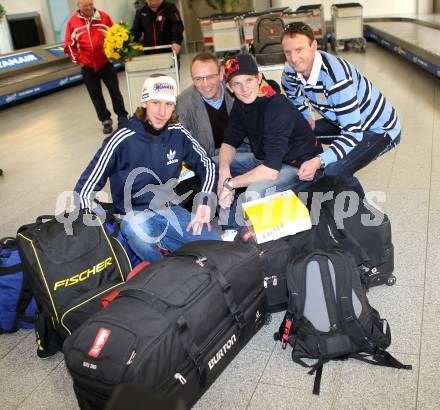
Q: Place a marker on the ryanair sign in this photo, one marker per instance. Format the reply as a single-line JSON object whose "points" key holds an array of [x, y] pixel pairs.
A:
{"points": [[17, 60]]}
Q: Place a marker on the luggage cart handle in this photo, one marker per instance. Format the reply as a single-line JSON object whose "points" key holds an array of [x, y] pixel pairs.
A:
{"points": [[162, 48], [176, 68], [158, 47]]}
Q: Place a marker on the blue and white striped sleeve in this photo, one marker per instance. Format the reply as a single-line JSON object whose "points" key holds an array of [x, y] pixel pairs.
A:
{"points": [[343, 99], [95, 176], [290, 84]]}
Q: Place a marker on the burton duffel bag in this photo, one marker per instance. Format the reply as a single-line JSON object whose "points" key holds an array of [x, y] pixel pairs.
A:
{"points": [[69, 273], [173, 328]]}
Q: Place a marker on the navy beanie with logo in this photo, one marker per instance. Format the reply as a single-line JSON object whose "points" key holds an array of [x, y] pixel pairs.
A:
{"points": [[240, 64]]}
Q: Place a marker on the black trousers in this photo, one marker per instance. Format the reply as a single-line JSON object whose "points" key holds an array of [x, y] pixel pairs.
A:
{"points": [[92, 80]]}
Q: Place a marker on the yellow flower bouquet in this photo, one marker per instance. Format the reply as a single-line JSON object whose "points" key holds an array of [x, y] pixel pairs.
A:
{"points": [[119, 44]]}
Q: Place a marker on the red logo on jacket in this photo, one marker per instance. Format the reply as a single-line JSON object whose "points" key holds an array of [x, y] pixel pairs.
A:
{"points": [[99, 342]]}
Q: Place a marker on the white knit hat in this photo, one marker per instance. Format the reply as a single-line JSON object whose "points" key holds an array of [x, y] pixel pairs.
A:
{"points": [[162, 88]]}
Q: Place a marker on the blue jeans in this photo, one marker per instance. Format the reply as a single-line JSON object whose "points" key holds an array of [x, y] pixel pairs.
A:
{"points": [[370, 148], [287, 178], [145, 231], [243, 147]]}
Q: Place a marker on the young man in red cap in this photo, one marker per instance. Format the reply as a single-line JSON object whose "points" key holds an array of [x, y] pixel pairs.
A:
{"points": [[280, 137]]}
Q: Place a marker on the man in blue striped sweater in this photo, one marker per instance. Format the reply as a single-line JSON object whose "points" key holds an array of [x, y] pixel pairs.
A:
{"points": [[362, 123]]}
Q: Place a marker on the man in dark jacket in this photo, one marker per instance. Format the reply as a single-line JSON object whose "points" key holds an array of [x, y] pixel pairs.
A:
{"points": [[280, 137], [158, 23]]}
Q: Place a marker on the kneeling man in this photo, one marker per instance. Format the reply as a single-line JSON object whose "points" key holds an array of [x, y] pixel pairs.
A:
{"points": [[280, 137]]}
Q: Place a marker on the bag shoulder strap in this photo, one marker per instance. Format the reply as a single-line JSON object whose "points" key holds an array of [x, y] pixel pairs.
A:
{"points": [[23, 302], [296, 284], [381, 358], [368, 339]]}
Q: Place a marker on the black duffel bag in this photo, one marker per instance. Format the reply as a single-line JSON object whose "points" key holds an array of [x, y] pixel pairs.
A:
{"points": [[69, 273], [174, 327], [369, 244]]}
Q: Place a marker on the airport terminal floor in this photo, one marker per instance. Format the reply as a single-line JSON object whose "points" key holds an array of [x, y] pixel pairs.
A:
{"points": [[47, 142]]}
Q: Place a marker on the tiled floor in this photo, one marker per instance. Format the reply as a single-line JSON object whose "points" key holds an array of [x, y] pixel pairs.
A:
{"points": [[45, 144]]}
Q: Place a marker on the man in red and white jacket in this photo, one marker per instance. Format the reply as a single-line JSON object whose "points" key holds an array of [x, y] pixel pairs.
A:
{"points": [[84, 41]]}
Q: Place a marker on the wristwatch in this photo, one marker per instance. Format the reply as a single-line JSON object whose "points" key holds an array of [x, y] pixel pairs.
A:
{"points": [[322, 162], [228, 185]]}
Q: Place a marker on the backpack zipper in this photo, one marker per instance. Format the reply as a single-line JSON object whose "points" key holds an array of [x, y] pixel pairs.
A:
{"points": [[270, 279], [180, 378]]}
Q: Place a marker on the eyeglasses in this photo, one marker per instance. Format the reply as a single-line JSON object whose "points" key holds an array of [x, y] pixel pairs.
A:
{"points": [[210, 77]]}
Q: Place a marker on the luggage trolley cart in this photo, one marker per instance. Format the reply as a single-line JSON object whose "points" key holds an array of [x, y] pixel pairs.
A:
{"points": [[272, 71], [206, 27], [347, 27], [312, 15], [250, 19], [226, 32], [141, 67]]}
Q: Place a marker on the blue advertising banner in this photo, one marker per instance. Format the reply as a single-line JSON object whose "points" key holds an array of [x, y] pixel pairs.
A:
{"points": [[28, 92], [18, 95], [432, 68], [56, 50], [17, 60]]}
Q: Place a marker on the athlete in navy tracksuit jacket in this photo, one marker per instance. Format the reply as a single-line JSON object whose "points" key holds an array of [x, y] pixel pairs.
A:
{"points": [[135, 147], [141, 163]]}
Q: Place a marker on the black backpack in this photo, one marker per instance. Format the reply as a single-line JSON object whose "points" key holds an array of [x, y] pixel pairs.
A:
{"points": [[69, 273], [366, 233], [329, 317], [268, 31]]}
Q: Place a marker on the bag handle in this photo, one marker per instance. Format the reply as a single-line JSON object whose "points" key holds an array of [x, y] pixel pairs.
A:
{"points": [[10, 242], [106, 300], [4, 242], [42, 218]]}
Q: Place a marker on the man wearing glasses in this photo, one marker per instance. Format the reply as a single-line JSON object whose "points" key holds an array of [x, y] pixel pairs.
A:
{"points": [[362, 123], [204, 107]]}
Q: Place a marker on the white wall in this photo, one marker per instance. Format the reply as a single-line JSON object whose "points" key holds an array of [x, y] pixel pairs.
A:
{"points": [[117, 9], [425, 6], [260, 5], [372, 8], [27, 6], [5, 37]]}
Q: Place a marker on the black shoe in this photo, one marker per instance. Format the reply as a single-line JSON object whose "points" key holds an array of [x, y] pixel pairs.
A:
{"points": [[107, 126], [121, 121]]}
